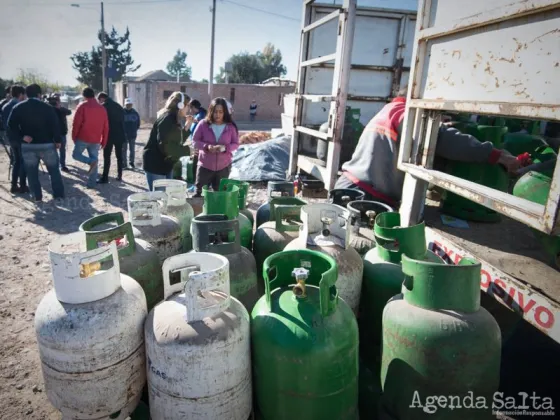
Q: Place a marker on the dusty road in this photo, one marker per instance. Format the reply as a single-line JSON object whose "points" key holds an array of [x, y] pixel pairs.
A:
{"points": [[25, 232]]}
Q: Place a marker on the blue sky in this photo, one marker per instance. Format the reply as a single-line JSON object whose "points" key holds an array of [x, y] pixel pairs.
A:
{"points": [[54, 30]]}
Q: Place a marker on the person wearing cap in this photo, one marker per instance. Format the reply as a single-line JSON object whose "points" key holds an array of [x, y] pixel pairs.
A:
{"points": [[216, 138], [131, 127]]}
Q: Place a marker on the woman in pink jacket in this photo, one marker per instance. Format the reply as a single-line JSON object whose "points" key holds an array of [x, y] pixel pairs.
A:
{"points": [[215, 138]]}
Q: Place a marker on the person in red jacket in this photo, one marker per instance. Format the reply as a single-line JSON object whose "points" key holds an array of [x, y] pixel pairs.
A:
{"points": [[89, 131]]}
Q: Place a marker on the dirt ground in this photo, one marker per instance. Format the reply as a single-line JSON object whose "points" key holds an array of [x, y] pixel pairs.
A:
{"points": [[25, 232]]}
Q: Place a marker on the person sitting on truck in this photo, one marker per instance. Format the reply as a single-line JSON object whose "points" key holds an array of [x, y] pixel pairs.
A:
{"points": [[373, 166]]}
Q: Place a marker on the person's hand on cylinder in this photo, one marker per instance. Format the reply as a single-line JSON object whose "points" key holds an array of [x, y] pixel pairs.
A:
{"points": [[510, 162]]}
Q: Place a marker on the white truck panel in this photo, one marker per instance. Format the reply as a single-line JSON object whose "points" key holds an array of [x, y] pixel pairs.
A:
{"points": [[375, 56], [506, 64]]}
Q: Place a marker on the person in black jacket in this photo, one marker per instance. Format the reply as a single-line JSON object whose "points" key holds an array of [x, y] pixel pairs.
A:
{"points": [[61, 113], [166, 143], [115, 113], [35, 125]]}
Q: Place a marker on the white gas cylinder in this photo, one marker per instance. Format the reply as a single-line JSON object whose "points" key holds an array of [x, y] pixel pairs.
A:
{"points": [[178, 207], [90, 333], [325, 229], [147, 213], [198, 344]]}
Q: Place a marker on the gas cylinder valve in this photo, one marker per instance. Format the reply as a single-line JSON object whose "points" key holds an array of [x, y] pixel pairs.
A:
{"points": [[301, 274], [327, 221], [346, 199], [371, 217]]}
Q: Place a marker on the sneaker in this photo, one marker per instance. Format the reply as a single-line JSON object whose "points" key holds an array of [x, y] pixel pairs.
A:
{"points": [[132, 165], [15, 189], [24, 189], [103, 180], [65, 169]]}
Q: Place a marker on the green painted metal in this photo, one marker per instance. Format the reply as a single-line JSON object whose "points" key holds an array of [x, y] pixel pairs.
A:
{"points": [[187, 169], [519, 143], [137, 258], [243, 194], [493, 176], [383, 278], [438, 341], [227, 202], [535, 187], [216, 234], [272, 237], [544, 154], [304, 342], [276, 189]]}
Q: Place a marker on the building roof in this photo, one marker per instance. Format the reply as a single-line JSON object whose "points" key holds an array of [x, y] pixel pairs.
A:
{"points": [[155, 76]]}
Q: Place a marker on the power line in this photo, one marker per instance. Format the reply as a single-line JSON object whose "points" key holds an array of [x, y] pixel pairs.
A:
{"points": [[261, 10]]}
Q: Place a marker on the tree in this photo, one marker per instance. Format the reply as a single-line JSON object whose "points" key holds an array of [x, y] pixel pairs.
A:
{"points": [[88, 63], [178, 66], [4, 83], [254, 68], [272, 62], [27, 77]]}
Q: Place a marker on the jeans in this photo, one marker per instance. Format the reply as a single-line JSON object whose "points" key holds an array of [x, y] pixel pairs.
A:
{"points": [[62, 151], [107, 158], [151, 177], [93, 152], [129, 143], [32, 155], [18, 169], [252, 117]]}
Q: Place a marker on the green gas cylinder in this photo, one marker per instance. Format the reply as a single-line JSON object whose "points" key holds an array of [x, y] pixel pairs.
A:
{"points": [[519, 143], [493, 176], [544, 154], [243, 193], [137, 258], [535, 187], [272, 237], [275, 189], [227, 202], [382, 280], [304, 341], [439, 342], [187, 169]]}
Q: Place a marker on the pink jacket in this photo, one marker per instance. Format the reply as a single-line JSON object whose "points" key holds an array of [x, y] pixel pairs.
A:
{"points": [[204, 137]]}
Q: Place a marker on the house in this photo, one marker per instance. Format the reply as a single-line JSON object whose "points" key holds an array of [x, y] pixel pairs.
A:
{"points": [[278, 81], [150, 91]]}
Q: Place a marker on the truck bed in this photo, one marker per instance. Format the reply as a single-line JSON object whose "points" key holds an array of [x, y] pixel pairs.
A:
{"points": [[515, 270]]}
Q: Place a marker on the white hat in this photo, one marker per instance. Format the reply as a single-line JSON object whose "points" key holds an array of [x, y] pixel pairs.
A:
{"points": [[128, 101]]}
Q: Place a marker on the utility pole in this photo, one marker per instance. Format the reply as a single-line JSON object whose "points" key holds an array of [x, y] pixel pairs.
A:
{"points": [[211, 80], [103, 51]]}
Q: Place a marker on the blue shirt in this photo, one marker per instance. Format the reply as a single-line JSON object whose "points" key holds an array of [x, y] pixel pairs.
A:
{"points": [[197, 118], [218, 130]]}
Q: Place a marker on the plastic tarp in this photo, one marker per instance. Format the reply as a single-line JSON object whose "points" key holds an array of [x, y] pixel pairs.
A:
{"points": [[266, 161]]}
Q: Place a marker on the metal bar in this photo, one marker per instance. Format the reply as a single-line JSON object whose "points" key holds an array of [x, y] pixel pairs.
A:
{"points": [[318, 60], [311, 167], [516, 110], [362, 67], [315, 98], [535, 307], [368, 98], [503, 13], [300, 88], [369, 11], [322, 21], [311, 132], [429, 150], [524, 211]]}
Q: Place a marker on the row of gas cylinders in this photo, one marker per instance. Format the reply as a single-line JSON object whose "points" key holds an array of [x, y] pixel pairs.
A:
{"points": [[347, 313]]}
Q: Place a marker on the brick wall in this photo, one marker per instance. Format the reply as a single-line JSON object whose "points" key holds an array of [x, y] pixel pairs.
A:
{"points": [[269, 98]]}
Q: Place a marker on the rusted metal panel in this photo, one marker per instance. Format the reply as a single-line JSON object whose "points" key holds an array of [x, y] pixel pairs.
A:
{"points": [[536, 308], [512, 62]]}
